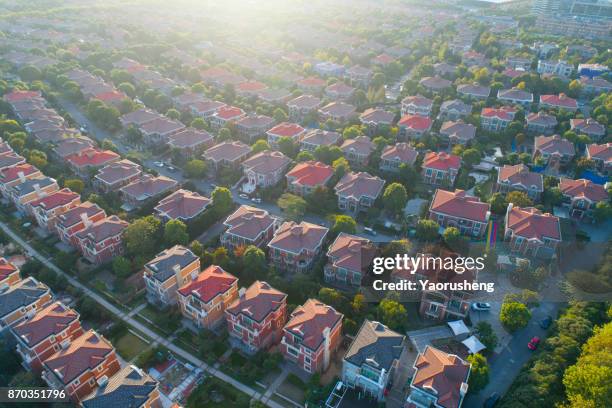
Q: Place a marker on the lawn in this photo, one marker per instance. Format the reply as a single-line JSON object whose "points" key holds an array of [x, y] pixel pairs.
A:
{"points": [[130, 345], [216, 394]]}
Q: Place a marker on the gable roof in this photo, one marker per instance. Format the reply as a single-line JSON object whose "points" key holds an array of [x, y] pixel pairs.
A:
{"points": [[459, 204], [415, 122], [554, 145], [51, 320], [248, 222], [531, 223], [266, 162], [520, 174], [600, 151], [258, 301], [294, 238], [320, 137], [361, 145], [310, 173], [400, 151], [230, 151], [103, 229], [583, 189], [375, 345], [56, 199], [210, 283], [286, 129], [358, 185], [76, 214], [183, 204], [148, 186], [351, 252]]}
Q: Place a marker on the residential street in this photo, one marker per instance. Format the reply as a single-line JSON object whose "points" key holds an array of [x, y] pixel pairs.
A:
{"points": [[140, 327], [507, 364]]}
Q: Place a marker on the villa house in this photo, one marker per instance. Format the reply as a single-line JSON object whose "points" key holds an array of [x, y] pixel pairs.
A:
{"points": [[146, 188], [226, 154], [81, 364], [515, 96], [416, 105], [190, 142], [305, 177], [455, 109], [30, 190], [313, 333], [349, 259], [302, 106], [435, 84], [21, 300], [318, 137], [414, 126], [90, 158], [531, 232], [251, 127], [590, 127], [560, 101], [582, 196], [393, 156], [337, 111], [541, 123], [376, 120], [248, 226], [372, 358], [129, 387], [42, 335], [458, 132], [17, 175], [357, 192], [205, 299], [496, 119], [182, 205], [457, 209], [553, 150], [519, 178], [159, 130], [225, 115], [48, 208], [440, 380], [116, 175], [474, 91], [285, 129], [169, 270], [295, 247], [601, 156], [102, 240], [9, 273], [440, 169], [77, 219], [357, 151], [256, 319], [339, 91], [264, 169]]}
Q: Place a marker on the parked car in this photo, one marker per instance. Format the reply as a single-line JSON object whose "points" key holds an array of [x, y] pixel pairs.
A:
{"points": [[246, 197], [158, 164], [491, 401], [533, 343], [83, 129], [546, 322], [171, 169], [369, 231], [256, 200], [481, 306]]}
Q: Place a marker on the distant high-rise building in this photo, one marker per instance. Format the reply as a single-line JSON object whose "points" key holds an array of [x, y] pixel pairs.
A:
{"points": [[580, 8]]}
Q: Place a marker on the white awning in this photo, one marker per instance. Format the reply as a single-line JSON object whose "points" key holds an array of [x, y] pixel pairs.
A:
{"points": [[458, 327], [473, 344]]}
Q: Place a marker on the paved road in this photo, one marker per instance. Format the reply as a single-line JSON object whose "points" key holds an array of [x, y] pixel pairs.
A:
{"points": [[202, 185], [506, 365], [137, 325]]}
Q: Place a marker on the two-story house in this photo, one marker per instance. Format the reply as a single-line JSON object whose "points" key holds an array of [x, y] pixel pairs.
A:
{"points": [[313, 333], [440, 380], [414, 126], [102, 240], [372, 358], [601, 155], [416, 105], [145, 188], [561, 101], [357, 192], [357, 151], [295, 247], [23, 194], [305, 177], [182, 205], [291, 130], [42, 335], [226, 155], [21, 301], [337, 111], [520, 178], [375, 120], [515, 96], [90, 158], [81, 364], [224, 116], [204, 299], [251, 127], [17, 175], [496, 119], [541, 123], [48, 208], [458, 132], [457, 209], [303, 106], [256, 319], [531, 232], [319, 137], [590, 127], [349, 259], [393, 156], [440, 169], [129, 387], [248, 226], [169, 270], [553, 150], [77, 219], [582, 196], [190, 142], [455, 109], [264, 169], [116, 175], [474, 91]]}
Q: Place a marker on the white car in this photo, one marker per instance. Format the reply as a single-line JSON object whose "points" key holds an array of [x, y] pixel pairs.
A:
{"points": [[158, 164], [256, 200], [246, 197], [481, 306]]}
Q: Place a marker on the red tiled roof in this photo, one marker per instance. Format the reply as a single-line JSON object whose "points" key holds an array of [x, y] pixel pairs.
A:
{"points": [[351, 252], [250, 86], [602, 152], [286, 129], [312, 82], [183, 204], [92, 156], [458, 130], [56, 199], [358, 185], [520, 174], [361, 145], [12, 173], [383, 59], [84, 353], [588, 126], [207, 106], [248, 222], [111, 96], [417, 100], [229, 151], [6, 268], [415, 122], [310, 320], [189, 137], [377, 116], [561, 100], [18, 95], [340, 88], [311, 173], [258, 301], [211, 282], [503, 113], [583, 189], [117, 171], [305, 101], [400, 151], [148, 186], [435, 82], [76, 214], [554, 145], [104, 229], [442, 374], [441, 161], [49, 321], [266, 162], [229, 112], [542, 118], [459, 204], [531, 223]]}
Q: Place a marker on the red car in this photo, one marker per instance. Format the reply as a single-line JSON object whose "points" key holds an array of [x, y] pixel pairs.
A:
{"points": [[533, 343]]}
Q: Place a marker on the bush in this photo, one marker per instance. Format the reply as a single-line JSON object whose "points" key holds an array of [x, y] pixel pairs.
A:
{"points": [[514, 315], [588, 282]]}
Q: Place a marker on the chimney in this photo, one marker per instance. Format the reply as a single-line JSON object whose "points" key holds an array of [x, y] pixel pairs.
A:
{"points": [[177, 272], [39, 192], [326, 347], [241, 293], [86, 221], [22, 178]]}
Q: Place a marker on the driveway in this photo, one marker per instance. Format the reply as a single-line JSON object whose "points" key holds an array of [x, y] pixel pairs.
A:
{"points": [[423, 337]]}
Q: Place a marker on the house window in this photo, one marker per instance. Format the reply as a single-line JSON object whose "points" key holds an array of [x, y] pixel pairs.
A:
{"points": [[292, 351]]}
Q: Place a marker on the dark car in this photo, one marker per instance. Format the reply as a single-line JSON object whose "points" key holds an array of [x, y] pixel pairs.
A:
{"points": [[545, 323], [491, 401]]}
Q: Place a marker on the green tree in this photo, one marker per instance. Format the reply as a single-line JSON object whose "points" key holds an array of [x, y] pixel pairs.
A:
{"points": [[30, 73], [260, 146], [199, 123], [427, 230], [76, 185], [127, 88], [327, 154], [122, 268], [395, 198], [451, 236], [479, 372], [175, 233], [470, 156], [304, 156], [224, 134], [142, 237], [514, 315], [255, 261], [486, 335], [519, 199], [287, 146], [38, 158], [279, 115], [173, 114], [392, 313], [498, 203], [602, 211], [222, 199], [341, 167], [351, 132], [344, 223], [294, 206], [195, 168]]}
